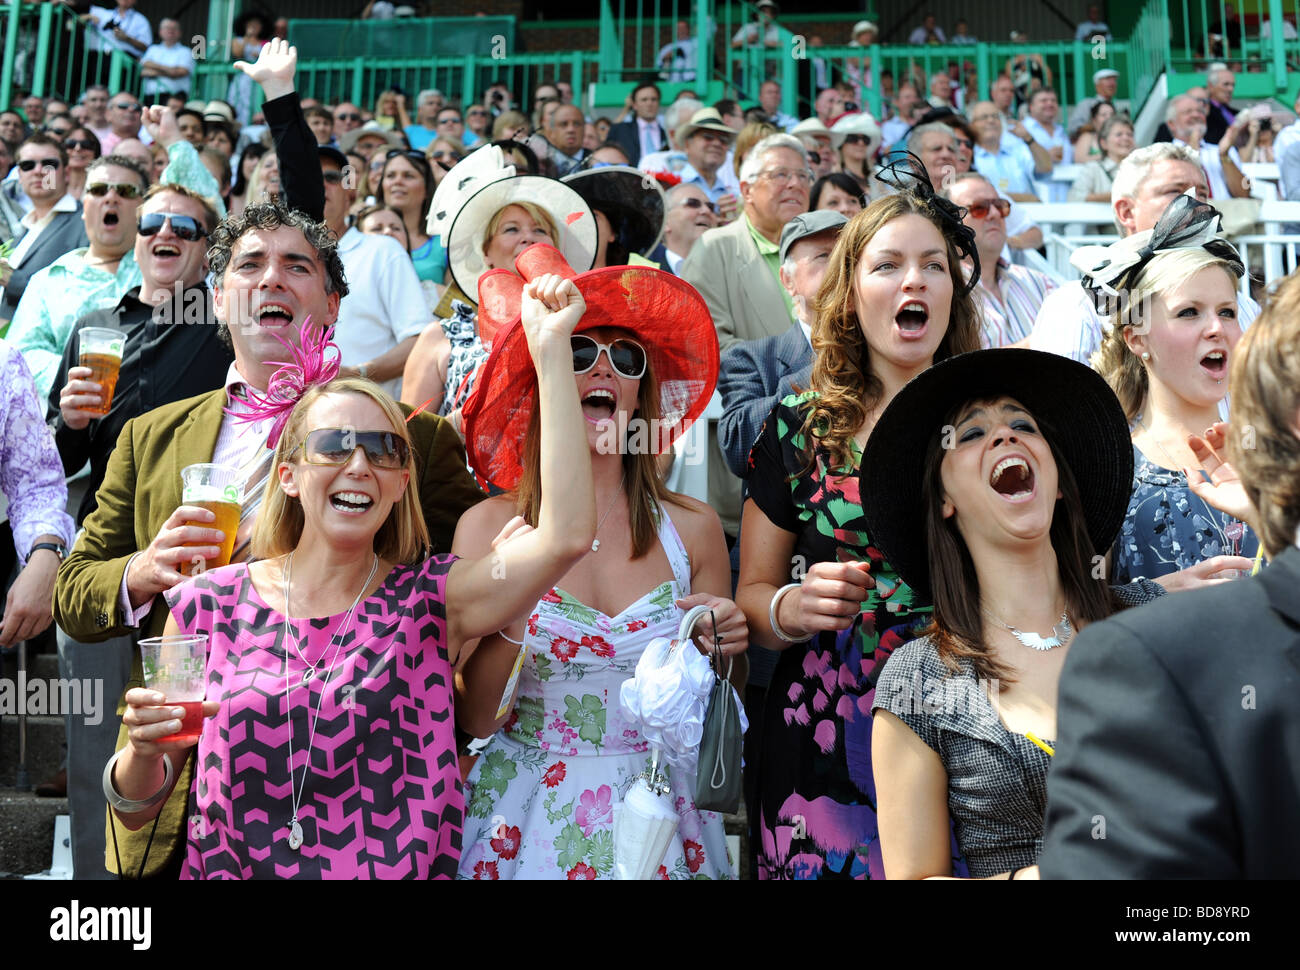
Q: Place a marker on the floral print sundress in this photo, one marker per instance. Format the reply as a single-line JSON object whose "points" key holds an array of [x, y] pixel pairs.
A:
{"points": [[540, 800]]}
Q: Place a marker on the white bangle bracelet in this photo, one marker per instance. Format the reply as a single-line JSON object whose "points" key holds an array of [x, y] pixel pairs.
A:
{"points": [[127, 806], [771, 615]]}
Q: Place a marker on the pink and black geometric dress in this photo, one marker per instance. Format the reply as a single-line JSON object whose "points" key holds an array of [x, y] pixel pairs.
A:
{"points": [[383, 797]]}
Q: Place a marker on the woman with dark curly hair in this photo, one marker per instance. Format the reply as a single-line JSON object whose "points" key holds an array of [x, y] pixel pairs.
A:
{"points": [[894, 300]]}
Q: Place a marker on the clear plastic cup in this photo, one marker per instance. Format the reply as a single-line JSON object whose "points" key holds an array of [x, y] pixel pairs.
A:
{"points": [[177, 667], [215, 488], [100, 349]]}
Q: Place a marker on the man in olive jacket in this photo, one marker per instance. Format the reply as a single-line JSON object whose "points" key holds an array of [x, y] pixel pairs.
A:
{"points": [[275, 268]]}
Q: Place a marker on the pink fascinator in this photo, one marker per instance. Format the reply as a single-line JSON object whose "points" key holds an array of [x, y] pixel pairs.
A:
{"points": [[309, 366]]}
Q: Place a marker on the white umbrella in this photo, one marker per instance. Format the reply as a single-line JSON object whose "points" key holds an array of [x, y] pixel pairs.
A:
{"points": [[667, 699]]}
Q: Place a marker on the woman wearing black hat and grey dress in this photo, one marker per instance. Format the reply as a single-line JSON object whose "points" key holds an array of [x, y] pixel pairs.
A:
{"points": [[994, 483]]}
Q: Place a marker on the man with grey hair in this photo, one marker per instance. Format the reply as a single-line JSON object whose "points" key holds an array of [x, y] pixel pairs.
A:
{"points": [[1186, 118], [936, 146], [1070, 322], [1220, 82], [736, 268], [425, 127]]}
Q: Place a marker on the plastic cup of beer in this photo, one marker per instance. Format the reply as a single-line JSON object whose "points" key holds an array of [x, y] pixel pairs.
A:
{"points": [[177, 667], [101, 351], [215, 488]]}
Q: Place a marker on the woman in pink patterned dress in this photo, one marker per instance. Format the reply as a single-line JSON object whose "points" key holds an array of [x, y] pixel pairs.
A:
{"points": [[330, 749], [562, 753]]}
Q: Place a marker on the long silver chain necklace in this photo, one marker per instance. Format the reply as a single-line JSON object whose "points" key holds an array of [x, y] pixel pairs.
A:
{"points": [[1062, 633], [295, 791], [595, 543], [1234, 531]]}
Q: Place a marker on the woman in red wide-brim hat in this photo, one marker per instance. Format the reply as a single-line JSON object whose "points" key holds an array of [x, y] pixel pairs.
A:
{"points": [[561, 755]]}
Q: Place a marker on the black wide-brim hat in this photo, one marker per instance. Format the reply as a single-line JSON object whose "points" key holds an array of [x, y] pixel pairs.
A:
{"points": [[1080, 416], [633, 202]]}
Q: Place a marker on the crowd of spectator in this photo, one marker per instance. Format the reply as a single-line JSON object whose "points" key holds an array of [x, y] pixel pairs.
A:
{"points": [[413, 224]]}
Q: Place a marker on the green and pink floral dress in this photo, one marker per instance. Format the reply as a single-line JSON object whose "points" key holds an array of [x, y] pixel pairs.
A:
{"points": [[540, 800]]}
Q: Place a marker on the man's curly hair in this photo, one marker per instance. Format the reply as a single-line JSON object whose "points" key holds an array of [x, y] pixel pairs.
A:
{"points": [[273, 215]]}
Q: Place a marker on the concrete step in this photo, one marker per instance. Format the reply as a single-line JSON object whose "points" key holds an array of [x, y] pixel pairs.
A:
{"points": [[27, 831], [45, 735]]}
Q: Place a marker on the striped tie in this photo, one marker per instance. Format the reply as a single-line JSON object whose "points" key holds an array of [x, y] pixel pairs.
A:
{"points": [[254, 475]]}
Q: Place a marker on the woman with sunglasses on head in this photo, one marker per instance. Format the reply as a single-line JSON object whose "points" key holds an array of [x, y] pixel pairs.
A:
{"points": [[407, 183], [1166, 355], [83, 148], [331, 656], [562, 753], [994, 482], [838, 192], [893, 301]]}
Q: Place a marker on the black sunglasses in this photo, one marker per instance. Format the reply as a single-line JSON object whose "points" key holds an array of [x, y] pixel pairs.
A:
{"points": [[856, 140], [407, 153], [124, 189], [85, 143], [691, 202], [27, 164], [347, 116], [627, 356], [184, 227], [131, 106], [336, 446]]}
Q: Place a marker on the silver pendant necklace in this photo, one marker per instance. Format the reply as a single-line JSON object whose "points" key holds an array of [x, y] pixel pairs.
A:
{"points": [[295, 791], [595, 543], [1062, 633]]}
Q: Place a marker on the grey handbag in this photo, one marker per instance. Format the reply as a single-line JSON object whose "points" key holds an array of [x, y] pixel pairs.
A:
{"points": [[718, 783]]}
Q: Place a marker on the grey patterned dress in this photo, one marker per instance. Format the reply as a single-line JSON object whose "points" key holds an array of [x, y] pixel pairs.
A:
{"points": [[467, 352], [997, 780]]}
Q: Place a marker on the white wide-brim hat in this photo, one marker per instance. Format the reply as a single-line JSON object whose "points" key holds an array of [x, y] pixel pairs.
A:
{"points": [[571, 215], [860, 123]]}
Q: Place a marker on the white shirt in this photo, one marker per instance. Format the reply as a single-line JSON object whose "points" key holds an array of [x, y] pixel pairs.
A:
{"points": [[920, 35], [1213, 165], [674, 261], [1286, 149], [1068, 323], [1089, 28], [100, 37], [677, 60], [385, 304], [1046, 189], [164, 55], [36, 226]]}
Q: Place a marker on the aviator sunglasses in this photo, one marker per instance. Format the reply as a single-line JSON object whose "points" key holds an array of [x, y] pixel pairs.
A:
{"points": [[185, 227], [626, 356], [336, 446], [980, 210]]}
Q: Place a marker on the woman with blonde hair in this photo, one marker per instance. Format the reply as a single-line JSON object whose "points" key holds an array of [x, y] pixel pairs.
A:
{"points": [[894, 301], [330, 660], [486, 216], [1167, 355], [562, 753]]}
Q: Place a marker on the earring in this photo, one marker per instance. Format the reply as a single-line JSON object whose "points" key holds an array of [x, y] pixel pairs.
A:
{"points": [[1145, 355]]}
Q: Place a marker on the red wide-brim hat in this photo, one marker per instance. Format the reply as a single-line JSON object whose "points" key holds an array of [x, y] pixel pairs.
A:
{"points": [[664, 313]]}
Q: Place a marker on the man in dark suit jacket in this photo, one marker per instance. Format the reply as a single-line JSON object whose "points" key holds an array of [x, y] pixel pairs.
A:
{"points": [[756, 374], [1178, 724], [628, 134], [55, 224], [131, 549]]}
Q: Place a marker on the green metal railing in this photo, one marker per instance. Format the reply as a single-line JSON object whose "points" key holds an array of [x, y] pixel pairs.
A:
{"points": [[46, 52]]}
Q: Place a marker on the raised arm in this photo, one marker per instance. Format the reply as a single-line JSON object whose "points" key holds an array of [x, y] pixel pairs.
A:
{"points": [[485, 594]]}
